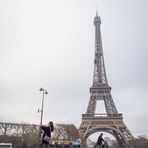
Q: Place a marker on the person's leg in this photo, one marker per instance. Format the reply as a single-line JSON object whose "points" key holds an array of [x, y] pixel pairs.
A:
{"points": [[101, 145], [47, 146]]}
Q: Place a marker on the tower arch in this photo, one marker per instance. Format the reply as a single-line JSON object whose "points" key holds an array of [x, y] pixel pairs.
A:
{"points": [[121, 140]]}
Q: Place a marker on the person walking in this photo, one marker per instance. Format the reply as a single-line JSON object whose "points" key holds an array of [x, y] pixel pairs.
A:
{"points": [[47, 134], [100, 141]]}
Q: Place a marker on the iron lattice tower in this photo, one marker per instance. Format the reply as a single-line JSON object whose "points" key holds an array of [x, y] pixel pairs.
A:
{"points": [[111, 121]]}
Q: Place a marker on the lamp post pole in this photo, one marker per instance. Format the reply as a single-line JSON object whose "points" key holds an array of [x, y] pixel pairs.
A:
{"points": [[44, 92]]}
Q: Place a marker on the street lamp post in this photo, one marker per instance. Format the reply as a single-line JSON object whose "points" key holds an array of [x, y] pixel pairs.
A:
{"points": [[44, 92]]}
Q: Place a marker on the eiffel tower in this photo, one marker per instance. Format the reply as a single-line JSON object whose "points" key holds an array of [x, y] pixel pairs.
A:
{"points": [[112, 121]]}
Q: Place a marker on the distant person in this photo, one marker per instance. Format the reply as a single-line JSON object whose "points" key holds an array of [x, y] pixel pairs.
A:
{"points": [[76, 144], [47, 134], [100, 141]]}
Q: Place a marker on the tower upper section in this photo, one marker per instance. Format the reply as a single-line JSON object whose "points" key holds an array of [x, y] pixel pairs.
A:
{"points": [[97, 19], [99, 77]]}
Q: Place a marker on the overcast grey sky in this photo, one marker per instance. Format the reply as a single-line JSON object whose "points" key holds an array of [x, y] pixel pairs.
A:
{"points": [[50, 44]]}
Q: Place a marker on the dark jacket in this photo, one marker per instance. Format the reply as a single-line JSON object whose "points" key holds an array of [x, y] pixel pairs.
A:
{"points": [[47, 131], [100, 139]]}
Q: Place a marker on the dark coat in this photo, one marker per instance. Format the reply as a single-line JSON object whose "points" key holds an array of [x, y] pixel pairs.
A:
{"points": [[100, 139], [47, 131]]}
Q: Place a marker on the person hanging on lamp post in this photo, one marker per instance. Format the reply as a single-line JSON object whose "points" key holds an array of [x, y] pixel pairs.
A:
{"points": [[47, 134]]}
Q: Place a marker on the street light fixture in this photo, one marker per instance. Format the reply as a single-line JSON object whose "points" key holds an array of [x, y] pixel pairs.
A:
{"points": [[44, 92]]}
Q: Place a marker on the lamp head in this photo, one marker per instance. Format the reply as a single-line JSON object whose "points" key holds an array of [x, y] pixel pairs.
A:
{"points": [[41, 89]]}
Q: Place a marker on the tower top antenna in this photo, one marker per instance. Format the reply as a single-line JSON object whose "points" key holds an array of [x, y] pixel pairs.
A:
{"points": [[96, 11]]}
